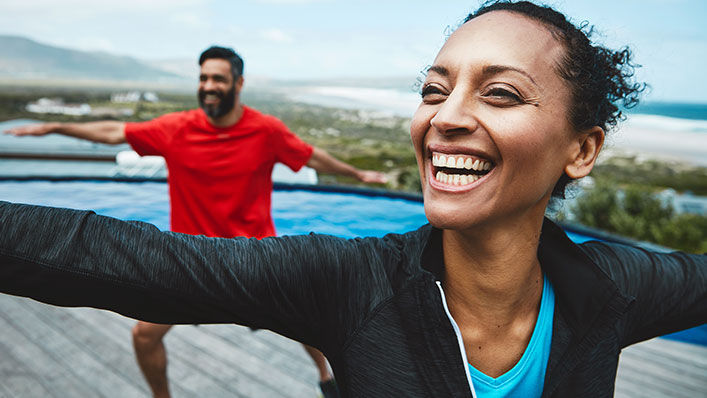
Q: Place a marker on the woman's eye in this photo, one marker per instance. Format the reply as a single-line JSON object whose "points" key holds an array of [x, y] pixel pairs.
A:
{"points": [[503, 94], [431, 93]]}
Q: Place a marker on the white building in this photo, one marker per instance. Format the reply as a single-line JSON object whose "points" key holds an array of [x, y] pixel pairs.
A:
{"points": [[134, 96], [57, 106]]}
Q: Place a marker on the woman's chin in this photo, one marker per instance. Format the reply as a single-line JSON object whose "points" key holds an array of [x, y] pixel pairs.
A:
{"points": [[450, 218]]}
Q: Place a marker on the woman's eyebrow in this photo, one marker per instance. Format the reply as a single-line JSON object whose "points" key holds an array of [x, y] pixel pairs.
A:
{"points": [[438, 69], [496, 69], [488, 70]]}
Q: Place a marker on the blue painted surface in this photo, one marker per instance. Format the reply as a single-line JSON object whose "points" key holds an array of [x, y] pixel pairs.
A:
{"points": [[294, 211]]}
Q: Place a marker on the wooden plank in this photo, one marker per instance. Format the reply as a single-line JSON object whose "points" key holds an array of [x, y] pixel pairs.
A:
{"points": [[186, 375], [16, 380], [660, 367], [282, 384], [85, 366], [206, 371], [49, 369], [111, 347], [286, 354], [682, 352], [668, 369]]}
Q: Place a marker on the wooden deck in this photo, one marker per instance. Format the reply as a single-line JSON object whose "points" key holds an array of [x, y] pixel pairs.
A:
{"points": [[48, 351]]}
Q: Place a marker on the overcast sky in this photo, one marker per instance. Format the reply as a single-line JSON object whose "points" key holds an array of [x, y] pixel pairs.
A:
{"points": [[303, 39]]}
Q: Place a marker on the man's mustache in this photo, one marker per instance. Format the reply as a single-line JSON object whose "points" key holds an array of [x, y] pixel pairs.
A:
{"points": [[211, 92]]}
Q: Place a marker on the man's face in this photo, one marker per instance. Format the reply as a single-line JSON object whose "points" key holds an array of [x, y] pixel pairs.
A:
{"points": [[217, 89]]}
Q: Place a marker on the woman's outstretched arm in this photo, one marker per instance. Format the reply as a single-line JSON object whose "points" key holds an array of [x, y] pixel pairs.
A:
{"points": [[669, 289], [297, 286]]}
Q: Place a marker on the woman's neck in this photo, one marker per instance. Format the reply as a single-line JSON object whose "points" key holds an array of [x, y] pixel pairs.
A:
{"points": [[493, 273], [493, 286]]}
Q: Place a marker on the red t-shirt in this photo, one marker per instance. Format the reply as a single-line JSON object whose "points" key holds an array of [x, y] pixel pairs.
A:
{"points": [[220, 178]]}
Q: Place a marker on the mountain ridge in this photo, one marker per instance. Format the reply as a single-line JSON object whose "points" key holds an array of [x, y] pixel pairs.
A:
{"points": [[25, 58]]}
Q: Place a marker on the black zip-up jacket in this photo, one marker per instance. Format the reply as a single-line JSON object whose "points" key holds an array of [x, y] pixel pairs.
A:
{"points": [[371, 305]]}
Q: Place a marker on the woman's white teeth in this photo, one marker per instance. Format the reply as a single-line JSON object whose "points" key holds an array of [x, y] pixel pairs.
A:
{"points": [[456, 179], [460, 162]]}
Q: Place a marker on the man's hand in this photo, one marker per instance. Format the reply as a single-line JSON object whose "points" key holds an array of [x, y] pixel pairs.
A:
{"points": [[323, 162], [106, 132], [371, 177], [32, 129]]}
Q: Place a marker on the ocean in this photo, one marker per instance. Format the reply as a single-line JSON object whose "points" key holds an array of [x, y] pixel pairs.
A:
{"points": [[672, 109]]}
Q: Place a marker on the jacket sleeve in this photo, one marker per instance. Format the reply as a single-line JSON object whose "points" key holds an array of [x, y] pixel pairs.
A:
{"points": [[669, 289], [311, 288]]}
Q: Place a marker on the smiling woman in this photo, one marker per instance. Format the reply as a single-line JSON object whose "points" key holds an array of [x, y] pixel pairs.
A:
{"points": [[490, 300]]}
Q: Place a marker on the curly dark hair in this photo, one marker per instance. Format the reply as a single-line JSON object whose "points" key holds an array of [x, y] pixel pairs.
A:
{"points": [[600, 79], [224, 53]]}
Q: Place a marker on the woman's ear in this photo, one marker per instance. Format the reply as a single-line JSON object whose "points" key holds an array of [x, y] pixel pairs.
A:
{"points": [[589, 143]]}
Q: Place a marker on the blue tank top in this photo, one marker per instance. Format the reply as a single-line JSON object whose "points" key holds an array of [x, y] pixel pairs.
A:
{"points": [[527, 377]]}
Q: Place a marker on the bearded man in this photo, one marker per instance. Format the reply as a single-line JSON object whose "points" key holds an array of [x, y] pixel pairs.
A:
{"points": [[220, 159]]}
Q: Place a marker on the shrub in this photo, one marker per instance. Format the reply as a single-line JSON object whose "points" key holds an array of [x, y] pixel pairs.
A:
{"points": [[637, 213]]}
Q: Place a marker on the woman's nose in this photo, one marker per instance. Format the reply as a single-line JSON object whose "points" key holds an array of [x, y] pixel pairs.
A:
{"points": [[455, 115]]}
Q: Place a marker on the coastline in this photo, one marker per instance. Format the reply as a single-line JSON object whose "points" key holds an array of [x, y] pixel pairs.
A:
{"points": [[645, 137]]}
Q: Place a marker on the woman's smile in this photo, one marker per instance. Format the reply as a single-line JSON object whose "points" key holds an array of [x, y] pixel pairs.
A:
{"points": [[456, 171]]}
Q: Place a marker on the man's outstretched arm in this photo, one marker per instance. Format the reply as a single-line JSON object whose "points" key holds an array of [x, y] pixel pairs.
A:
{"points": [[323, 162], [105, 132]]}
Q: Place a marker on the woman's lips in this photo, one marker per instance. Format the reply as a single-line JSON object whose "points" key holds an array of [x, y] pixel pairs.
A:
{"points": [[458, 170]]}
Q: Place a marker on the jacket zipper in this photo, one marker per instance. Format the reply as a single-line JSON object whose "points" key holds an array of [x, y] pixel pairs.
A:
{"points": [[458, 333]]}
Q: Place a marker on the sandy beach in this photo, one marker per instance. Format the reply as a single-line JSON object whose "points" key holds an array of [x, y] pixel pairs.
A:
{"points": [[657, 137]]}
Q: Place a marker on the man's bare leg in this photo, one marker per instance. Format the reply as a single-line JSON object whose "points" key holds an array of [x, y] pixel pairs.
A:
{"points": [[326, 382], [152, 356], [321, 362]]}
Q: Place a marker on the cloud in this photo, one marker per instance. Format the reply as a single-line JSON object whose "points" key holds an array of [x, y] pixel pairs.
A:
{"points": [[277, 36]]}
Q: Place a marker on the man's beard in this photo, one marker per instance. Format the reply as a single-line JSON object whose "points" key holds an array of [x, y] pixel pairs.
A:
{"points": [[226, 102]]}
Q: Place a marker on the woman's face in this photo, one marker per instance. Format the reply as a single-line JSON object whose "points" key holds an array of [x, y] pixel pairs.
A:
{"points": [[491, 135]]}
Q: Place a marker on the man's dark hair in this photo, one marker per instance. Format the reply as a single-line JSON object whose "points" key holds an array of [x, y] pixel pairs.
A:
{"points": [[224, 53], [599, 78]]}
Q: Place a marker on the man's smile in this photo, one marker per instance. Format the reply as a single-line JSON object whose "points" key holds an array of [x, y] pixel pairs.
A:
{"points": [[211, 98]]}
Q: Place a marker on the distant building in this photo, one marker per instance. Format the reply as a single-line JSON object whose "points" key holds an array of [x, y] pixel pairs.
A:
{"points": [[685, 203], [134, 96], [57, 106], [112, 112], [150, 96]]}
